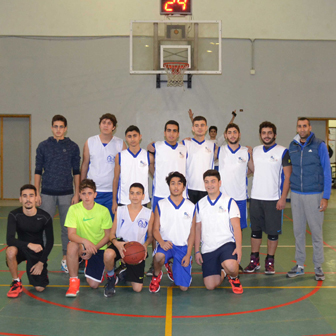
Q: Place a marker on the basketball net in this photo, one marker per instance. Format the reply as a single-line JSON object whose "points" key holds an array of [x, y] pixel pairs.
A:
{"points": [[175, 72]]}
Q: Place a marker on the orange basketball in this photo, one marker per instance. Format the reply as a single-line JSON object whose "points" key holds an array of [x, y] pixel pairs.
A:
{"points": [[135, 253]]}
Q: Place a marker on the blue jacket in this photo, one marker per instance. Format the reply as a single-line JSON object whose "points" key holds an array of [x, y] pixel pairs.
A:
{"points": [[311, 166], [57, 162]]}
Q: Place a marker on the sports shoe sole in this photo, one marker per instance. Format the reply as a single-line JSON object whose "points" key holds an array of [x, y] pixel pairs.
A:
{"points": [[294, 275], [269, 272], [71, 294], [155, 291], [252, 271], [14, 296], [319, 277]]}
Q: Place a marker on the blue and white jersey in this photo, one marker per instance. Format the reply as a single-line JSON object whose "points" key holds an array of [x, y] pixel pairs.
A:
{"points": [[132, 231], [200, 158], [268, 174], [233, 171], [102, 158], [216, 225], [133, 168], [167, 159], [176, 221]]}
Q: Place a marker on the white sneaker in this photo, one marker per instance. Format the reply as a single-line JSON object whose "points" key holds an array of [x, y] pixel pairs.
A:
{"points": [[64, 266]]}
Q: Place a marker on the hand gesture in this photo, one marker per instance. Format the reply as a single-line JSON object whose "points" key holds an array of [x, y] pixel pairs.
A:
{"points": [[37, 268]]}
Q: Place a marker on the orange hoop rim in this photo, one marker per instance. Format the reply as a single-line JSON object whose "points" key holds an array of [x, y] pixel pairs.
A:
{"points": [[175, 65]]}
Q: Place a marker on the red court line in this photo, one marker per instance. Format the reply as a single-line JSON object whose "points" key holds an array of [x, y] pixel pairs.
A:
{"points": [[86, 310], [323, 335], [310, 234], [315, 290], [3, 249], [1, 333]]}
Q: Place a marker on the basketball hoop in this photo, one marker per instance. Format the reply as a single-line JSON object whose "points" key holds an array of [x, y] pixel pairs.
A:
{"points": [[175, 72]]}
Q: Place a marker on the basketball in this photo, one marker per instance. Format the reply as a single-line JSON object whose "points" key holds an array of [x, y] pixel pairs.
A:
{"points": [[135, 253]]}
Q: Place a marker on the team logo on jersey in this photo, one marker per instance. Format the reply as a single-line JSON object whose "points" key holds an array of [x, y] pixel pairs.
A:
{"points": [[181, 155], [186, 215], [143, 164], [221, 209], [142, 223], [122, 222], [241, 160], [110, 159], [208, 150], [273, 159]]}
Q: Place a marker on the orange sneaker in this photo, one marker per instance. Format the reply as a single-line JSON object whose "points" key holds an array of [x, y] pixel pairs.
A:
{"points": [[15, 290], [73, 290], [237, 288]]}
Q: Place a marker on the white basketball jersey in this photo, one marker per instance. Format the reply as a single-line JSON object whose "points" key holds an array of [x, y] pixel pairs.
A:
{"points": [[167, 159], [233, 170], [132, 231], [268, 173], [216, 225], [200, 158], [101, 167], [133, 168], [176, 221]]}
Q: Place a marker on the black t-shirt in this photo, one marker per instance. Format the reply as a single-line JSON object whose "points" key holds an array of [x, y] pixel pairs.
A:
{"points": [[286, 161], [29, 229]]}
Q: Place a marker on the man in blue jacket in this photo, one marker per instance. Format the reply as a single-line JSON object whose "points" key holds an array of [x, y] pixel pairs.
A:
{"points": [[310, 184], [57, 163]]}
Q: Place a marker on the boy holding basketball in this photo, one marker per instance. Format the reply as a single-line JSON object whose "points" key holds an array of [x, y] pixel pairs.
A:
{"points": [[133, 222], [174, 230], [89, 225], [218, 227]]}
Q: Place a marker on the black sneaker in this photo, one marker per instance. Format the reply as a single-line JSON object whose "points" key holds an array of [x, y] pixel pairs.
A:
{"points": [[120, 272], [109, 288], [150, 271]]}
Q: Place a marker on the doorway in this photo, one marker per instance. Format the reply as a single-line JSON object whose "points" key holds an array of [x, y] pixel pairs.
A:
{"points": [[15, 154]]}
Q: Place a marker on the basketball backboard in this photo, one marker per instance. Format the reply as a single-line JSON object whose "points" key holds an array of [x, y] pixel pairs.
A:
{"points": [[153, 43]]}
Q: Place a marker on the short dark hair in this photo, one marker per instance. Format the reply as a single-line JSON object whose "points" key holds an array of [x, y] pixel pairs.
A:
{"points": [[211, 172], [199, 118], [87, 183], [213, 128], [172, 122], [304, 118], [267, 124], [137, 185], [232, 125], [178, 175], [132, 128], [109, 116], [28, 186], [59, 117]]}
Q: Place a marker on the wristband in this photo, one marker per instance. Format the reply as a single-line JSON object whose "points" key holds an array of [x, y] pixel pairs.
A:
{"points": [[197, 252]]}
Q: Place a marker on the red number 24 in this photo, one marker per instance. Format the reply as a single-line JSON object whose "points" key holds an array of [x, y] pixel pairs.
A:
{"points": [[183, 3]]}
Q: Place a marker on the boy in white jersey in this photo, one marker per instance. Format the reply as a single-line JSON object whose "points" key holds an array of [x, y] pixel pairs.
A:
{"points": [[169, 155], [99, 157], [131, 165], [133, 222], [218, 229], [174, 230], [200, 158], [272, 170], [89, 225], [235, 162]]}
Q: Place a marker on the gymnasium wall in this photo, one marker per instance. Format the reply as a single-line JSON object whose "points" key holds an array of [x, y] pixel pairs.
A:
{"points": [[83, 79], [280, 19]]}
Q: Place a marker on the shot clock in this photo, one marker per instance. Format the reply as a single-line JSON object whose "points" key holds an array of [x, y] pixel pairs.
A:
{"points": [[175, 7]]}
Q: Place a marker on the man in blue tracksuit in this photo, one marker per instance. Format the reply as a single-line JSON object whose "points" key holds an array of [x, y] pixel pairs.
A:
{"points": [[310, 184]]}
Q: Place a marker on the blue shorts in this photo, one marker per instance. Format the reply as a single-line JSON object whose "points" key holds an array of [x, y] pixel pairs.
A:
{"points": [[105, 198], [243, 213], [212, 261], [155, 201], [95, 266], [182, 275]]}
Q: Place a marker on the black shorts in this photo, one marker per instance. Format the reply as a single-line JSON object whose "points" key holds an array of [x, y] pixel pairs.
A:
{"points": [[26, 254], [134, 273], [212, 261], [265, 217], [195, 195]]}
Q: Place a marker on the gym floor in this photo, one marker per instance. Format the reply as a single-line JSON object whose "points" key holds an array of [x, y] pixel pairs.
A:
{"points": [[270, 305]]}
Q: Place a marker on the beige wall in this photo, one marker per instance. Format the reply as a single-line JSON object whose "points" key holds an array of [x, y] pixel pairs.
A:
{"points": [[275, 19]]}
